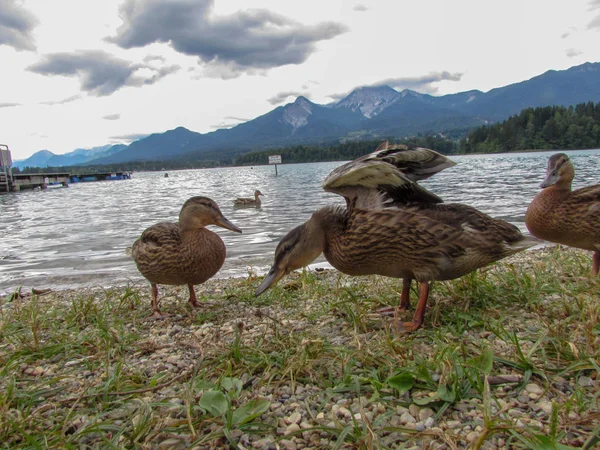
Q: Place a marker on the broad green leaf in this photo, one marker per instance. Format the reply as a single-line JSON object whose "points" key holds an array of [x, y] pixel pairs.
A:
{"points": [[250, 411], [214, 402], [402, 382], [232, 385], [445, 394], [485, 361]]}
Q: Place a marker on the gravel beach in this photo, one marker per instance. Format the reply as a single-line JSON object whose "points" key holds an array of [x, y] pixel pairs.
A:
{"points": [[309, 365]]}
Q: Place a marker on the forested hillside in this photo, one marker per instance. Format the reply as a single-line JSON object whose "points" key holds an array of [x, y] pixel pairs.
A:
{"points": [[549, 127]]}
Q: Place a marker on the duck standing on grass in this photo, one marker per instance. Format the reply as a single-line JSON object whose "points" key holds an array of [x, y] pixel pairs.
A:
{"points": [[246, 201], [558, 214], [392, 226], [184, 252]]}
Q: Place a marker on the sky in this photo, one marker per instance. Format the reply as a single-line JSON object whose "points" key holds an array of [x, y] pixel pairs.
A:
{"points": [[80, 74]]}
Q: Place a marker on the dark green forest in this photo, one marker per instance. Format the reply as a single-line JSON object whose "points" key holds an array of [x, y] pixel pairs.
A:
{"points": [[542, 128]]}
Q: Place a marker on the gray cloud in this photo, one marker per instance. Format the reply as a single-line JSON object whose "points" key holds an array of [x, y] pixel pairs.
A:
{"points": [[424, 84], [16, 25], [248, 41], [571, 53], [595, 23], [112, 117], [129, 137], [151, 58], [9, 105], [228, 122], [63, 101], [99, 72], [282, 96], [360, 8]]}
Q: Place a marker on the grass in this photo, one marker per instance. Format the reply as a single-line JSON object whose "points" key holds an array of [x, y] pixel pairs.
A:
{"points": [[89, 370]]}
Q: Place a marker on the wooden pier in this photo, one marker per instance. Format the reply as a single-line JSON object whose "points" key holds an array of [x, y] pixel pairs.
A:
{"points": [[14, 182], [22, 181]]}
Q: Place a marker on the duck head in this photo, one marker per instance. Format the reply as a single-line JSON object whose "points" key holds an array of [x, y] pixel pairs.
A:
{"points": [[198, 212], [560, 171], [297, 249]]}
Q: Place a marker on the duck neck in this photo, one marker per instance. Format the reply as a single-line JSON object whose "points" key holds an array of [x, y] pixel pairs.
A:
{"points": [[327, 223]]}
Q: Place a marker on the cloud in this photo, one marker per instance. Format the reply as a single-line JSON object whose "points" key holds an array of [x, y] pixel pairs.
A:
{"points": [[99, 72], [129, 137], [571, 52], [16, 25], [250, 41], [424, 84], [282, 96], [360, 8], [112, 117], [63, 101], [228, 122], [151, 58], [9, 105], [595, 23]]}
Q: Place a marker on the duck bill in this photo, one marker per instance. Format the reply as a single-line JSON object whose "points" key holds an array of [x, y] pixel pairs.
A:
{"points": [[549, 180], [271, 278], [224, 223]]}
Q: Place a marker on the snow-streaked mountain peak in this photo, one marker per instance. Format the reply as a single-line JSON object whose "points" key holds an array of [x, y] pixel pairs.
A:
{"points": [[296, 114], [369, 100]]}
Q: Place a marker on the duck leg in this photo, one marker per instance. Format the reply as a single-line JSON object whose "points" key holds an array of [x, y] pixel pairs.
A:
{"points": [[418, 318], [596, 262], [404, 300], [155, 311], [192, 301]]}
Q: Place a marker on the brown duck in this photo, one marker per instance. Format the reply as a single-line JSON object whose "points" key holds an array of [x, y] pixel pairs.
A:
{"points": [[184, 252], [558, 214], [394, 227], [246, 201]]}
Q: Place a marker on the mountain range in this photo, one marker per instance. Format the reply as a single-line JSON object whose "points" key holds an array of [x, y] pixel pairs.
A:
{"points": [[368, 112]]}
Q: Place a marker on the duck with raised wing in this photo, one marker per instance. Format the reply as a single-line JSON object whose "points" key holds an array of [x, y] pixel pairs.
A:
{"points": [[246, 201], [394, 227], [559, 214], [184, 252]]}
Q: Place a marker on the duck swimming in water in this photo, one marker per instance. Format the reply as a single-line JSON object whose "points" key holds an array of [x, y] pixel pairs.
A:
{"points": [[246, 201]]}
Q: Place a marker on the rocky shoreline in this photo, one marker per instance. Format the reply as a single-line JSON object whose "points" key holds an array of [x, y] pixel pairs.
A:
{"points": [[309, 366]]}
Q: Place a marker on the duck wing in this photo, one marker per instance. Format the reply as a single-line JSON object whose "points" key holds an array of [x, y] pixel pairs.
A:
{"points": [[388, 175]]}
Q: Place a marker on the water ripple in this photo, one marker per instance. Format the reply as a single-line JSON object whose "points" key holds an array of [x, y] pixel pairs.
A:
{"points": [[78, 236]]}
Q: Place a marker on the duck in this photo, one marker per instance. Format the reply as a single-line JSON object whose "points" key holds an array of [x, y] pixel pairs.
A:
{"points": [[394, 227], [561, 215], [247, 201], [184, 252]]}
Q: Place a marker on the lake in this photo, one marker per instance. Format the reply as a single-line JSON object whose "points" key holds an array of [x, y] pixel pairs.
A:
{"points": [[77, 236]]}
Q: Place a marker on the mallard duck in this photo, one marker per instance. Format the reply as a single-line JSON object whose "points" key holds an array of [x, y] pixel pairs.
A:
{"points": [[184, 252], [560, 215], [246, 201], [394, 227]]}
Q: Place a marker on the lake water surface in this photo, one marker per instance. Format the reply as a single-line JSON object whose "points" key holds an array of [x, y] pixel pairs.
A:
{"points": [[77, 236]]}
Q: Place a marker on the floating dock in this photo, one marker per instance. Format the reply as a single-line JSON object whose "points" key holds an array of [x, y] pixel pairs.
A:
{"points": [[14, 182]]}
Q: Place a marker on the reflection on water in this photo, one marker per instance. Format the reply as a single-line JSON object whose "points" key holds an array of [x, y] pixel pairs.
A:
{"points": [[78, 236]]}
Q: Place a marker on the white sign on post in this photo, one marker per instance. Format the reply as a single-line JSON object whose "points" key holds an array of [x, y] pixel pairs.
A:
{"points": [[274, 159]]}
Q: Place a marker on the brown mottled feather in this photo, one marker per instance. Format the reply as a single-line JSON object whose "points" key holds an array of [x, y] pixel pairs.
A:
{"points": [[558, 214]]}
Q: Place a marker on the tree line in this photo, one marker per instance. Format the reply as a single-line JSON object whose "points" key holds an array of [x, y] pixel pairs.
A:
{"points": [[541, 128]]}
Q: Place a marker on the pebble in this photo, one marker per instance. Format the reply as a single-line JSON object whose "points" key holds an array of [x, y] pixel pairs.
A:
{"points": [[292, 428], [585, 382], [425, 413], [407, 418], [453, 424], [294, 418], [533, 388]]}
